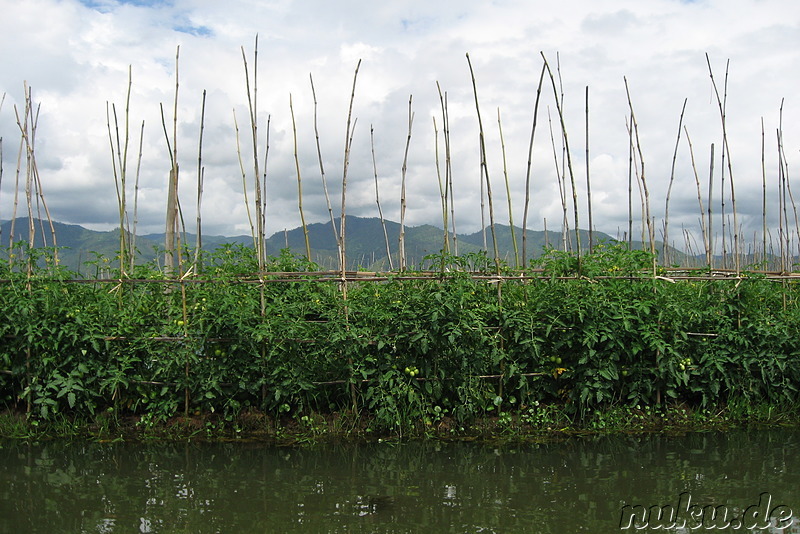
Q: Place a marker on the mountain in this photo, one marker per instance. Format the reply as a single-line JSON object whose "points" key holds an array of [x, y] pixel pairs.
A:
{"points": [[365, 245]]}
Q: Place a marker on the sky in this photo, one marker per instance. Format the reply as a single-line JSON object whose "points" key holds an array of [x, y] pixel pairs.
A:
{"points": [[76, 57]]}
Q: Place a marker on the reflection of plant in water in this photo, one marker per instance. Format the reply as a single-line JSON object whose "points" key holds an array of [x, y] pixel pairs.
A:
{"points": [[203, 487]]}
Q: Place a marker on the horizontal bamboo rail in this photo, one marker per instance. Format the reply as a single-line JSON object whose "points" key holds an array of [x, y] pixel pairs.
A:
{"points": [[269, 277]]}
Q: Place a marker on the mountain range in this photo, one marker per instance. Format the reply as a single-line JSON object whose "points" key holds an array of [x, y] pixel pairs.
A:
{"points": [[365, 244]]}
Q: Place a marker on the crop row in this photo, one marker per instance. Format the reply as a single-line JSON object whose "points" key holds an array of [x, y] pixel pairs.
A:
{"points": [[401, 350]]}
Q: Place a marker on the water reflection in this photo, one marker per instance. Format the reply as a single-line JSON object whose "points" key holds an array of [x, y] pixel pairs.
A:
{"points": [[578, 485]]}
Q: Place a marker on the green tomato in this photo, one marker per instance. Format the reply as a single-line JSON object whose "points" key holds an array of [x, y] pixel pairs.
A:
{"points": [[558, 360]]}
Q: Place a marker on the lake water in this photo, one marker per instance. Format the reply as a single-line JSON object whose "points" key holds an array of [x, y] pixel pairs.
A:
{"points": [[575, 485]]}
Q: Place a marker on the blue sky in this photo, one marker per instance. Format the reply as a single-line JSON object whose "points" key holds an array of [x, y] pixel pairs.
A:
{"points": [[75, 56]]}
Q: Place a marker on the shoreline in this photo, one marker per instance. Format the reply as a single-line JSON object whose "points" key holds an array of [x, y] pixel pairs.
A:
{"points": [[545, 424]]}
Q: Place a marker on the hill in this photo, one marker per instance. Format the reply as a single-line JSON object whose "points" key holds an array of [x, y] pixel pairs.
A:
{"points": [[365, 242]]}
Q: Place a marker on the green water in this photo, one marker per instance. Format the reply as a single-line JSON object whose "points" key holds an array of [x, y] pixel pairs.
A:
{"points": [[577, 485]]}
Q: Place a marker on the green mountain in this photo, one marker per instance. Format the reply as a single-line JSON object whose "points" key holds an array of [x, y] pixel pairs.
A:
{"points": [[365, 244]]}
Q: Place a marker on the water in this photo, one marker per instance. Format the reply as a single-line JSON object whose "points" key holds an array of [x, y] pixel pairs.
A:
{"points": [[576, 485]]}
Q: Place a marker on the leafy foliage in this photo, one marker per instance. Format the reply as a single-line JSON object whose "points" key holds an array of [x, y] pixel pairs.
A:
{"points": [[412, 350]]}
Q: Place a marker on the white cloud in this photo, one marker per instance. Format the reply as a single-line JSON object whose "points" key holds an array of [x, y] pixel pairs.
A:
{"points": [[75, 56]]}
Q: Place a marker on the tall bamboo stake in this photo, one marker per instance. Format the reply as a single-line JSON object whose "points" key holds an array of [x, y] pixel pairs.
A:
{"points": [[252, 104], [484, 167], [136, 198], [763, 197], [200, 174], [588, 182], [528, 171], [1, 174], [710, 203], [560, 110], [33, 180], [561, 187], [448, 166], [299, 182], [378, 199], [703, 225], [785, 170], [630, 184], [650, 232], [782, 219], [669, 189], [442, 191], [119, 184], [264, 187], [2, 99], [643, 209], [244, 182], [402, 241], [348, 142], [721, 102], [172, 193], [16, 197], [345, 164], [483, 197], [508, 191], [322, 168], [444, 188]]}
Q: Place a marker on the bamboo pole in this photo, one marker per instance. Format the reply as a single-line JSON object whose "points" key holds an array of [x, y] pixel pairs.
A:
{"points": [[299, 182], [378, 198], [630, 184], [252, 105], [710, 202], [402, 242], [703, 225], [528, 171], [442, 192], [588, 182], [448, 165], [136, 198], [671, 182], [200, 174], [561, 187], [721, 102], [120, 188], [508, 191], [33, 187], [172, 193], [2, 100], [642, 177], [244, 182], [485, 168], [637, 175], [785, 170], [16, 197], [347, 145], [443, 186], [559, 108], [322, 168], [763, 197], [783, 221], [483, 198], [348, 142]]}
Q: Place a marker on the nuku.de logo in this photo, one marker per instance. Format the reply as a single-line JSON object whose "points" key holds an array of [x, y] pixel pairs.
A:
{"points": [[685, 515]]}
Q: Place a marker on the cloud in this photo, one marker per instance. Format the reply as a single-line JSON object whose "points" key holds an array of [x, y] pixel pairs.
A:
{"points": [[76, 58]]}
